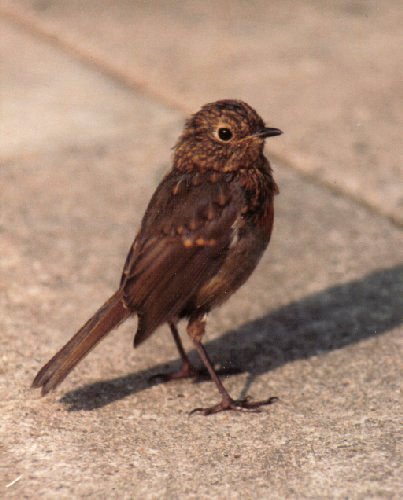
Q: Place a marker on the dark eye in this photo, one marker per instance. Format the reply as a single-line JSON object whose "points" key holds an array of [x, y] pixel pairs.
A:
{"points": [[225, 134]]}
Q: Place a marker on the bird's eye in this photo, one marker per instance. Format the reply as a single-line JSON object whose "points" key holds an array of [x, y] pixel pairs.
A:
{"points": [[225, 134]]}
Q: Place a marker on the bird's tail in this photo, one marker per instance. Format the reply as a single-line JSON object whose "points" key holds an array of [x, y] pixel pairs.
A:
{"points": [[109, 316]]}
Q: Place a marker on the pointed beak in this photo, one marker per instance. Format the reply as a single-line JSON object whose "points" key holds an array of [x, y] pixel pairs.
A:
{"points": [[267, 132]]}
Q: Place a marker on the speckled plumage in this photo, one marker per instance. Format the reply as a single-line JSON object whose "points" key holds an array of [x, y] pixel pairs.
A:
{"points": [[201, 237]]}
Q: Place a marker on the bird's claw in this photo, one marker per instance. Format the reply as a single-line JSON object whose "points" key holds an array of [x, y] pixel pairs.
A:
{"points": [[245, 405]]}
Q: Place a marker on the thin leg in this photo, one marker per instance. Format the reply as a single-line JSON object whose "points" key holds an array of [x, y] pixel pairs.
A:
{"points": [[186, 364], [196, 331], [207, 363], [186, 370]]}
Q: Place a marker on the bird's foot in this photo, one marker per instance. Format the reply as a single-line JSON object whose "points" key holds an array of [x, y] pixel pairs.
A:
{"points": [[245, 405]]}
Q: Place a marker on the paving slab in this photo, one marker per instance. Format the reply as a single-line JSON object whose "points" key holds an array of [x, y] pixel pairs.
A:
{"points": [[318, 325], [49, 103], [326, 72]]}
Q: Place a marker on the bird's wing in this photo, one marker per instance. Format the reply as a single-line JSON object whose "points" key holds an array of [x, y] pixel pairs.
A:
{"points": [[184, 238]]}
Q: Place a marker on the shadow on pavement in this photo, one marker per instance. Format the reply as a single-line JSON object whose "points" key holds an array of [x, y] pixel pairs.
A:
{"points": [[331, 319]]}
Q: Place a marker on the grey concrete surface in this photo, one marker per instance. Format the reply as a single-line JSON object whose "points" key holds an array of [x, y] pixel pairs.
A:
{"points": [[318, 325]]}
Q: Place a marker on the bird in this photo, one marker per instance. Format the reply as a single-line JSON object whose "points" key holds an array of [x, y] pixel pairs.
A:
{"points": [[203, 233]]}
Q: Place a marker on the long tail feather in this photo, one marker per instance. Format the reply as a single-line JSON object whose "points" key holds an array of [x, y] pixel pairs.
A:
{"points": [[109, 316]]}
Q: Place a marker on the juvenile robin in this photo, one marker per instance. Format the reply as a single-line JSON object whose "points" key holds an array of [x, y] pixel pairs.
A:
{"points": [[203, 233]]}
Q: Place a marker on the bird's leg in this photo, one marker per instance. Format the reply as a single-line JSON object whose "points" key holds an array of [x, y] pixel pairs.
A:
{"points": [[187, 370], [195, 330]]}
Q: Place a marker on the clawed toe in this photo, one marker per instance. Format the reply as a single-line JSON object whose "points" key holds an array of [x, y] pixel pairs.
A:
{"points": [[245, 405]]}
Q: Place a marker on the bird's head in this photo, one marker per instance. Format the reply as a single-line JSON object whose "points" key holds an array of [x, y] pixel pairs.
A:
{"points": [[225, 135]]}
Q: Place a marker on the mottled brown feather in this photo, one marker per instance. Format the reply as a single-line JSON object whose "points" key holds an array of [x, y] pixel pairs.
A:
{"points": [[164, 272]]}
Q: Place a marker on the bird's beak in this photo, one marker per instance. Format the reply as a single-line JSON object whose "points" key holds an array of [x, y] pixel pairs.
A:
{"points": [[267, 132]]}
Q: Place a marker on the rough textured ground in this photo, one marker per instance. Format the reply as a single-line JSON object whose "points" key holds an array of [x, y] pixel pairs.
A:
{"points": [[93, 95]]}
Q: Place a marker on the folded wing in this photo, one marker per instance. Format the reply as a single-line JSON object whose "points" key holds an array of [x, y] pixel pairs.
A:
{"points": [[184, 238]]}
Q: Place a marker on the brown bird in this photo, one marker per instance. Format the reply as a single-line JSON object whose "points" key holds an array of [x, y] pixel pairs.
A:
{"points": [[201, 237]]}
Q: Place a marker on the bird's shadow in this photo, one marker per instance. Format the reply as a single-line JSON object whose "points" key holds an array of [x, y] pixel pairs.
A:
{"points": [[331, 319]]}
